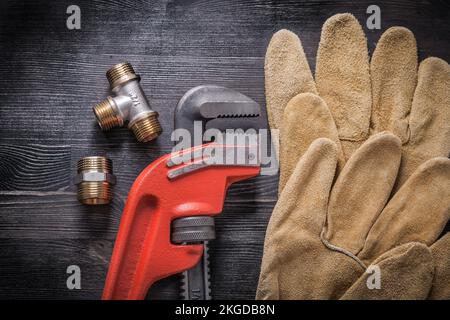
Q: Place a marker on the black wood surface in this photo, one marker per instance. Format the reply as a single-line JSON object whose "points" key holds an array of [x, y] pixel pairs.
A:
{"points": [[51, 76]]}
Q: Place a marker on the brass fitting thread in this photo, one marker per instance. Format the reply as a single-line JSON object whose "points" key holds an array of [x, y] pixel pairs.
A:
{"points": [[146, 129], [120, 73], [106, 117], [95, 180], [128, 104]]}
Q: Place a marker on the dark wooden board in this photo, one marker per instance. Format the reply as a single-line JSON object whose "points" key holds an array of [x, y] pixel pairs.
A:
{"points": [[51, 76]]}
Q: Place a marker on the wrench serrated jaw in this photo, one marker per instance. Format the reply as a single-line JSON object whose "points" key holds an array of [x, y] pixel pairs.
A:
{"points": [[207, 271], [230, 109], [184, 289]]}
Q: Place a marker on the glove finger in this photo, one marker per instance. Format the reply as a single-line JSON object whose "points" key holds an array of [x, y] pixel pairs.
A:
{"points": [[362, 190], [306, 118], [430, 117], [406, 272], [393, 71], [343, 78], [300, 211], [441, 257], [303, 202], [287, 74], [418, 212]]}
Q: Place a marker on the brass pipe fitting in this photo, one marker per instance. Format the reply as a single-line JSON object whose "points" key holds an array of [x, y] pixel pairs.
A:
{"points": [[129, 103], [95, 180]]}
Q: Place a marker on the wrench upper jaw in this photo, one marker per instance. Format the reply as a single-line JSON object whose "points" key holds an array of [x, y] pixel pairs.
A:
{"points": [[216, 107], [143, 252], [210, 101]]}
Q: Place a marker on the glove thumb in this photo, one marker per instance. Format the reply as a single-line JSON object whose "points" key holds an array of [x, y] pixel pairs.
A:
{"points": [[404, 273]]}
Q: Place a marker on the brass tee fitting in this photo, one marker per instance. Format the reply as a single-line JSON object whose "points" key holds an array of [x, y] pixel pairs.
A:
{"points": [[129, 103], [95, 180]]}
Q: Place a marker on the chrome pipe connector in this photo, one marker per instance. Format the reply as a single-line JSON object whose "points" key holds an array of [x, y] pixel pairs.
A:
{"points": [[128, 103]]}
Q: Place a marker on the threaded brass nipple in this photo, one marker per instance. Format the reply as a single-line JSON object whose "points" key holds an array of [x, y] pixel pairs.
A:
{"points": [[95, 180]]}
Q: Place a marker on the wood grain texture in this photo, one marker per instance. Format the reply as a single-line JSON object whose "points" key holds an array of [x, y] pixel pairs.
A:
{"points": [[51, 78]]}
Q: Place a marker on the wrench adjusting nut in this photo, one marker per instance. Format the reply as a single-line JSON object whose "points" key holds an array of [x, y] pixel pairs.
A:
{"points": [[194, 229]]}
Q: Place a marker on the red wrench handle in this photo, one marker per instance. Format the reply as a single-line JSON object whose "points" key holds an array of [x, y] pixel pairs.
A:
{"points": [[143, 252]]}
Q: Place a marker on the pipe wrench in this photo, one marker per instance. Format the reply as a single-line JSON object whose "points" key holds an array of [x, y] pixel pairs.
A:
{"points": [[225, 110], [188, 183]]}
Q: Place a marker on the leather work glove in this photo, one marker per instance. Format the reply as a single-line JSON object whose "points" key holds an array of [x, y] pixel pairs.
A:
{"points": [[389, 94], [322, 237], [352, 99]]}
